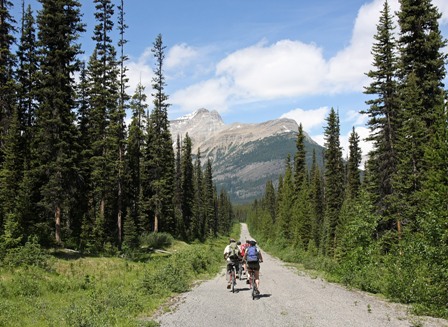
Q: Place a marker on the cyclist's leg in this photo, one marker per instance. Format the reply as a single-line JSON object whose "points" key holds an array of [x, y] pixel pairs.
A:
{"points": [[229, 273]]}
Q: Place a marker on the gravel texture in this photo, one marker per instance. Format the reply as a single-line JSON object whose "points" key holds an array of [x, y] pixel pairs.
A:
{"points": [[288, 298]]}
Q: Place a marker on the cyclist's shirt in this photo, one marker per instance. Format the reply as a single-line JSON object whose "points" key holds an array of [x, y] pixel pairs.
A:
{"points": [[243, 248]]}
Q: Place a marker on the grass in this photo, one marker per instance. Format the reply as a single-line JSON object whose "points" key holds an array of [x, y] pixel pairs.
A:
{"points": [[98, 291]]}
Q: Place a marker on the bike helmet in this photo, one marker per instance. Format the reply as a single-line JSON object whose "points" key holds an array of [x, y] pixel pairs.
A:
{"points": [[238, 243], [253, 243], [232, 240]]}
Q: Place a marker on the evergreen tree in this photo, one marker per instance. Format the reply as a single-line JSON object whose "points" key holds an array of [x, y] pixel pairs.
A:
{"points": [[354, 160], [317, 202], [11, 175], [270, 202], [197, 224], [334, 180], [210, 228], [300, 169], [180, 228], [55, 142], [421, 73], [187, 183], [120, 133], [27, 81], [161, 148], [284, 230], [383, 114], [106, 129], [134, 156], [7, 64]]}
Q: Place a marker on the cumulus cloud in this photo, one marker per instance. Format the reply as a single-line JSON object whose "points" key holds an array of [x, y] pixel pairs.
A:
{"points": [[283, 69], [209, 94], [180, 55], [308, 118], [291, 68]]}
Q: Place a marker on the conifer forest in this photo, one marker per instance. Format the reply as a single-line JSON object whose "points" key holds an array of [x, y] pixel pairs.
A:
{"points": [[73, 174]]}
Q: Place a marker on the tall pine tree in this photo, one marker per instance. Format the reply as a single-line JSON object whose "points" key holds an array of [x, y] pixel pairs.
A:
{"points": [[161, 153], [55, 142]]}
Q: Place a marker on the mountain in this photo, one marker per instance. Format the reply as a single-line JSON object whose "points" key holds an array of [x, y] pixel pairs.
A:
{"points": [[244, 156]]}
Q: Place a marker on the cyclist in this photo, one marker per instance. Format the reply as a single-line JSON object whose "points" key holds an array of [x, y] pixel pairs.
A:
{"points": [[253, 257], [231, 254], [240, 259], [243, 250]]}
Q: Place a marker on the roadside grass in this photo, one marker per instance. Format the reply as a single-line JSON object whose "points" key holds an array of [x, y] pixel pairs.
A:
{"points": [[103, 291]]}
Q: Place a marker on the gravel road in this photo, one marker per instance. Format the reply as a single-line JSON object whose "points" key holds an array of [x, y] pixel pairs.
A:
{"points": [[288, 298]]}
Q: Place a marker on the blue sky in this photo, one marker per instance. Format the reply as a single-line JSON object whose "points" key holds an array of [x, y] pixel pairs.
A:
{"points": [[256, 60]]}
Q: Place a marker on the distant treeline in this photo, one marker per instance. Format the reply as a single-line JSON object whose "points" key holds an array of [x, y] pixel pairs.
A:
{"points": [[386, 232], [71, 172]]}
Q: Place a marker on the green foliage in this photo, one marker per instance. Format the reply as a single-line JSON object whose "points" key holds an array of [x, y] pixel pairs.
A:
{"points": [[176, 273], [155, 240], [31, 254], [102, 291]]}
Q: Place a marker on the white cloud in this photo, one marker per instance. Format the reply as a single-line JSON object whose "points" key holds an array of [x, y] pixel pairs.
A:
{"points": [[291, 68], [180, 55], [211, 94], [308, 118], [285, 68], [140, 70]]}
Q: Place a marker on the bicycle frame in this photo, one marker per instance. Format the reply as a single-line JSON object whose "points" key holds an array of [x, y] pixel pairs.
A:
{"points": [[253, 284], [232, 277]]}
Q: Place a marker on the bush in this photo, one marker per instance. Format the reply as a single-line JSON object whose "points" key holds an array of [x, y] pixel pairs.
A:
{"points": [[156, 240], [31, 254]]}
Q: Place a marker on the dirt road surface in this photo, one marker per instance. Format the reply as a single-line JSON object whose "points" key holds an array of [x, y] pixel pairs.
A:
{"points": [[287, 298]]}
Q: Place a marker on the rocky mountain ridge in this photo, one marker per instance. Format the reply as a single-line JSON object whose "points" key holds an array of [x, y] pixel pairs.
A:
{"points": [[244, 156]]}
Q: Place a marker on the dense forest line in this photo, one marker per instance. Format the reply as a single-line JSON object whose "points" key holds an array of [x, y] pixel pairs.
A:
{"points": [[384, 229], [71, 172]]}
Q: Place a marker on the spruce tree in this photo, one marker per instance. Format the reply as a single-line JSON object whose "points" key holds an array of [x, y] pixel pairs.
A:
{"points": [[421, 72], [353, 171], [162, 167], [27, 80], [210, 228], [300, 169], [106, 129], [317, 202], [383, 115], [134, 155], [197, 223], [7, 64], [284, 230], [334, 180], [55, 142], [187, 183], [120, 133]]}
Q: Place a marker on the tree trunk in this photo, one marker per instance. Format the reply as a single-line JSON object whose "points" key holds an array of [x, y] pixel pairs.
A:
{"points": [[156, 223], [57, 216]]}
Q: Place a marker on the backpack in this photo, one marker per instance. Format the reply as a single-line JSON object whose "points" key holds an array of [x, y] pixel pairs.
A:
{"points": [[233, 253], [252, 254]]}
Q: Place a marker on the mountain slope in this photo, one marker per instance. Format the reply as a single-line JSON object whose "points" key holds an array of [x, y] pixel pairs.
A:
{"points": [[244, 156]]}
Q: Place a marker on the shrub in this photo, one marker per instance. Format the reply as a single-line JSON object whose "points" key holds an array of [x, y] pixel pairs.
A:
{"points": [[31, 254], [156, 240]]}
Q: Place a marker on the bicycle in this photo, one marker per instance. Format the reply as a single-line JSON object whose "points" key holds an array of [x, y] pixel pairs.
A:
{"points": [[252, 284], [240, 270], [232, 277]]}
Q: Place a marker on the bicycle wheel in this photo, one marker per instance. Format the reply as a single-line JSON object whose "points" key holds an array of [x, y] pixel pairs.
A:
{"points": [[233, 281], [254, 287]]}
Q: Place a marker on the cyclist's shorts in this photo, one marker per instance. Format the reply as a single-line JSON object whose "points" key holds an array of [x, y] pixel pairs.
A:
{"points": [[253, 266]]}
